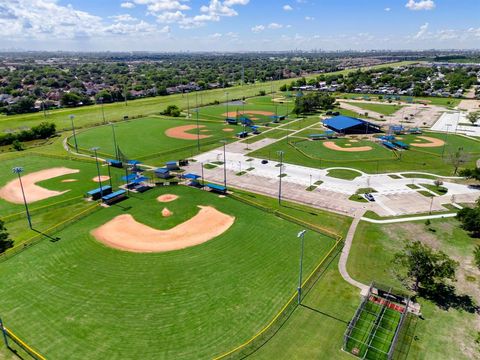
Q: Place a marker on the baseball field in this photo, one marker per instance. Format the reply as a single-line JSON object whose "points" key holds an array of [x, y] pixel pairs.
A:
{"points": [[430, 152], [199, 301]]}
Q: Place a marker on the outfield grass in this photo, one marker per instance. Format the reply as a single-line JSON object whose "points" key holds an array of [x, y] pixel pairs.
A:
{"points": [[384, 109], [378, 160], [192, 303], [435, 336], [439, 101], [218, 112], [146, 137], [90, 115]]}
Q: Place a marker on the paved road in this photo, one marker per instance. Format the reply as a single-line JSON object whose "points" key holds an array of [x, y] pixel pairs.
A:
{"points": [[342, 264]]}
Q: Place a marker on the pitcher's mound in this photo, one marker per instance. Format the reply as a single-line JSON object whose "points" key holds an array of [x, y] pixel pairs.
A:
{"points": [[166, 212], [167, 198], [125, 233], [102, 178]]}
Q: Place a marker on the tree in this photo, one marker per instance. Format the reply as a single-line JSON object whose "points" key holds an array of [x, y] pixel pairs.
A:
{"points": [[457, 159], [17, 145], [172, 110], [471, 173], [420, 266], [5, 241], [474, 117], [476, 256], [470, 219]]}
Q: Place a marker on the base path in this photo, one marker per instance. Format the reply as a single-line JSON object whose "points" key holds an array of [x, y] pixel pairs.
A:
{"points": [[432, 142], [342, 264], [125, 233], [12, 192]]}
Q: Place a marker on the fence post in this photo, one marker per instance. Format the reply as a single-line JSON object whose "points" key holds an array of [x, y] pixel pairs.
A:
{"points": [[4, 332]]}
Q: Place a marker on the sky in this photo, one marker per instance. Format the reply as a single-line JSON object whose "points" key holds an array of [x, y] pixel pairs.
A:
{"points": [[238, 25]]}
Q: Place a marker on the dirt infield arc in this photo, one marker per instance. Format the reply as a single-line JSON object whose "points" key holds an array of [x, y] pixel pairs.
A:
{"points": [[432, 142], [180, 132], [125, 233], [332, 146], [11, 192]]}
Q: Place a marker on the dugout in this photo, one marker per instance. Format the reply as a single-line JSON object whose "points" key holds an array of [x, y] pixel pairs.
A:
{"points": [[114, 197], [217, 188], [162, 173], [97, 193], [114, 163], [349, 125], [172, 165]]}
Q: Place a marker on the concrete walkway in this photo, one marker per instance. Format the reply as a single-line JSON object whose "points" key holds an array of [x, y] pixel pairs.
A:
{"points": [[406, 219], [342, 264]]}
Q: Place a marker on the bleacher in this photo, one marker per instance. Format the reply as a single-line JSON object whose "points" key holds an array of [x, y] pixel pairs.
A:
{"points": [[389, 145], [401, 144]]}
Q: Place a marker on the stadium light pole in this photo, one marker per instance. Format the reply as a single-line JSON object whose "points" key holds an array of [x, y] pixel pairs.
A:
{"points": [[226, 95], [188, 107], [301, 236], [95, 149], [198, 132], [114, 141], [445, 142], [4, 332], [18, 170], [280, 153], [203, 179], [224, 165], [109, 175], [101, 105], [73, 132]]}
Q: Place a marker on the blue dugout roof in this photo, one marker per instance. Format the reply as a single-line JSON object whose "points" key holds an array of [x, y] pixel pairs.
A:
{"points": [[113, 161], [113, 195], [171, 163], [217, 187], [162, 171], [98, 190], [342, 122], [133, 162], [191, 176], [129, 177], [139, 180]]}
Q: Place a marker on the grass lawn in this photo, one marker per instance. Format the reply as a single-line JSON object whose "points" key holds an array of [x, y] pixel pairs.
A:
{"points": [[270, 134], [377, 160], [343, 174], [384, 109], [443, 334], [172, 303], [90, 115], [145, 137]]}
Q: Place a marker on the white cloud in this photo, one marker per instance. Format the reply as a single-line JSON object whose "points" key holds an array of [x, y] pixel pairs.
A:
{"points": [[420, 5], [387, 9], [287, 8], [127, 5], [215, 36], [155, 6], [258, 28], [309, 18], [275, 26], [123, 18], [422, 32]]}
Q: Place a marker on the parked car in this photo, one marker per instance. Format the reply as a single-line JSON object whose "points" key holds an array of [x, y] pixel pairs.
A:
{"points": [[369, 197]]}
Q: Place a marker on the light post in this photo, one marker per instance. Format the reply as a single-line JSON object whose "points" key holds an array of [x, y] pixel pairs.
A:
{"points": [[198, 132], [431, 205], [73, 132], [445, 142], [95, 149], [109, 175], [18, 170], [4, 332], [280, 153], [310, 181], [101, 105], [203, 179], [224, 165], [188, 107], [301, 236], [114, 141], [226, 95]]}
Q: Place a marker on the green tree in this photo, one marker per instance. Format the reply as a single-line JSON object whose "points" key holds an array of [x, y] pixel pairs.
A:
{"points": [[476, 256], [420, 266], [470, 219], [5, 241], [471, 173], [473, 117], [17, 145]]}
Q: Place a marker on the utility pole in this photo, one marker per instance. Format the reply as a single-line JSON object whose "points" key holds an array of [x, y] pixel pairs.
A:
{"points": [[226, 94], [300, 235], [101, 105], [73, 131], [18, 170], [280, 153]]}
